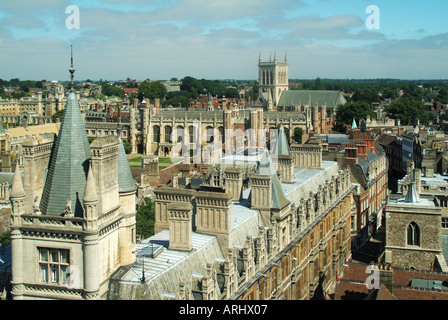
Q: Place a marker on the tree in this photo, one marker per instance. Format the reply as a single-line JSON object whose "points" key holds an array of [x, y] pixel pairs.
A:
{"points": [[193, 85], [442, 97], [145, 218], [297, 136], [413, 91], [110, 90], [127, 147], [318, 84], [152, 90], [352, 110], [407, 109], [5, 238], [368, 95]]}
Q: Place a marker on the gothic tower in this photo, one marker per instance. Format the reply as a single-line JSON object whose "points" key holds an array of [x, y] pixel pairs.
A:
{"points": [[272, 79]]}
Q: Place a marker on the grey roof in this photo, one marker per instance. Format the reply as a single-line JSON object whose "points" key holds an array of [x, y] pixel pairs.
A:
{"points": [[433, 284], [69, 162], [337, 138], [312, 97], [364, 165], [126, 182], [7, 177]]}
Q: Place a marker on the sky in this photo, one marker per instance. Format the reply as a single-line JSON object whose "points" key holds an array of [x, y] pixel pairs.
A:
{"points": [[222, 39]]}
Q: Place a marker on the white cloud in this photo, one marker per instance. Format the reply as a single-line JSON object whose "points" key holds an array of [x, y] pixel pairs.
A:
{"points": [[205, 39]]}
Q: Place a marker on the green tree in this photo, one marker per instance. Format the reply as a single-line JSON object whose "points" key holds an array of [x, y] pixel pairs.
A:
{"points": [[152, 90], [110, 90], [145, 218], [57, 115], [318, 84], [442, 97], [407, 109], [352, 110], [297, 135], [5, 238], [127, 147], [413, 91], [192, 85]]}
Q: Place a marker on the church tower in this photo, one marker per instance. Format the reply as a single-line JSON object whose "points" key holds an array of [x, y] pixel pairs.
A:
{"points": [[272, 79]]}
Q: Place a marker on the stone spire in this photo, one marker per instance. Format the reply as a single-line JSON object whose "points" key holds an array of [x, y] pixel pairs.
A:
{"points": [[282, 146], [266, 167], [90, 193], [69, 162], [17, 190]]}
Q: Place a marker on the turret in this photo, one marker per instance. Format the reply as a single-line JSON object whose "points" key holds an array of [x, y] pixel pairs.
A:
{"points": [[17, 197]]}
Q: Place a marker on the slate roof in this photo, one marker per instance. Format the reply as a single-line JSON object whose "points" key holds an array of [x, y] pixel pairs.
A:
{"points": [[337, 138], [126, 182], [67, 172], [312, 97]]}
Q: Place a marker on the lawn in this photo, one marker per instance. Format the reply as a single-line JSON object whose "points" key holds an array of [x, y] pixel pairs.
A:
{"points": [[164, 162]]}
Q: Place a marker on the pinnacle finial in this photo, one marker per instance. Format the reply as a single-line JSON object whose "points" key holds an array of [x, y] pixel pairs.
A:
{"points": [[72, 71]]}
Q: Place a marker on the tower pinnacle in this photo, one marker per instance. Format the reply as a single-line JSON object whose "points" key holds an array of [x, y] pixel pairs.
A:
{"points": [[72, 71]]}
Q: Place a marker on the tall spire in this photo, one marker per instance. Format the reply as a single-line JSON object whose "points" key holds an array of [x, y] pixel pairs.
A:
{"points": [[72, 72], [69, 161]]}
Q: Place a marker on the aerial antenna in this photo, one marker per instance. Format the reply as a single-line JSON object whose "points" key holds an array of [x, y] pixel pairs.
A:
{"points": [[72, 71]]}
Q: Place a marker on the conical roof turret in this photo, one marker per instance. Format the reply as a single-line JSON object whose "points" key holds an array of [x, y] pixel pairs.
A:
{"points": [[90, 193], [281, 146], [126, 182], [17, 190], [69, 162]]}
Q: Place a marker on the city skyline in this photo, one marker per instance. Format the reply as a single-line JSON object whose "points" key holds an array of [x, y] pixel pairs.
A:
{"points": [[159, 40]]}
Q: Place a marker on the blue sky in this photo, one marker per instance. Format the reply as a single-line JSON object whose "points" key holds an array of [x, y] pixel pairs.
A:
{"points": [[220, 39]]}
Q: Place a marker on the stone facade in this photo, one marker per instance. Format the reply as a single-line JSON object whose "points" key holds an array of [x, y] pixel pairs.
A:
{"points": [[69, 250], [264, 240], [423, 253]]}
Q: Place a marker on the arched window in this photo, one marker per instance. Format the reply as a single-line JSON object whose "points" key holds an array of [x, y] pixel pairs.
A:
{"points": [[156, 134], [180, 134], [210, 132], [168, 132], [413, 234]]}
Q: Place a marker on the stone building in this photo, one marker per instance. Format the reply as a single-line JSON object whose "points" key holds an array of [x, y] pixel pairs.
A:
{"points": [[414, 231], [246, 236], [152, 130], [73, 213]]}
